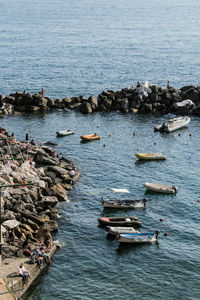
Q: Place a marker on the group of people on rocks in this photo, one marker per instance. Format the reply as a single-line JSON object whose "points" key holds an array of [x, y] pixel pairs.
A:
{"points": [[38, 255]]}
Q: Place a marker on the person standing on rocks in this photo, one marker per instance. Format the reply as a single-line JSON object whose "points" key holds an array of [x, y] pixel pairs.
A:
{"points": [[27, 138], [60, 157]]}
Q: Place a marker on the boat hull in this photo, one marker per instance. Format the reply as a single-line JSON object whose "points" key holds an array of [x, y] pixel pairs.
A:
{"points": [[64, 132], [90, 137], [154, 187], [127, 222], [137, 238], [132, 204], [150, 156], [173, 124], [114, 230]]}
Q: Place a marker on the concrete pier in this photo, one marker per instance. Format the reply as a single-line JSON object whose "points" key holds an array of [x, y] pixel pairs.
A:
{"points": [[9, 275]]}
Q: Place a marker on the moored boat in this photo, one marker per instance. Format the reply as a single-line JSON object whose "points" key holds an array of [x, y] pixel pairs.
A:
{"points": [[173, 124], [150, 156], [90, 137], [123, 203], [114, 230], [119, 221], [137, 238], [120, 204], [65, 132], [159, 188]]}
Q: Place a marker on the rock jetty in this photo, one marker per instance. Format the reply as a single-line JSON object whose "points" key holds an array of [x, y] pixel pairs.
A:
{"points": [[140, 99], [33, 181]]}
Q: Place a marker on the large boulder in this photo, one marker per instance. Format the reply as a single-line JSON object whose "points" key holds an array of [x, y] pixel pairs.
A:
{"points": [[93, 102], [27, 99], [48, 201], [11, 224], [59, 192], [85, 108], [39, 101]]}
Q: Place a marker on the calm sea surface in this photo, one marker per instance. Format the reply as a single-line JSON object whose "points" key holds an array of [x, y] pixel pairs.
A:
{"points": [[73, 48]]}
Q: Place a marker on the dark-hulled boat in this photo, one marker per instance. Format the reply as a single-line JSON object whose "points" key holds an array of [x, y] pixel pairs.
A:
{"points": [[122, 203]]}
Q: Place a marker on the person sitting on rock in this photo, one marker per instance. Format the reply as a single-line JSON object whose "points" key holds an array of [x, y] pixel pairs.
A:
{"points": [[72, 173], [48, 243], [23, 273], [41, 253]]}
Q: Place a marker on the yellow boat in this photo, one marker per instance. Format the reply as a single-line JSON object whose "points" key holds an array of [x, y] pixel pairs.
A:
{"points": [[90, 137], [150, 156]]}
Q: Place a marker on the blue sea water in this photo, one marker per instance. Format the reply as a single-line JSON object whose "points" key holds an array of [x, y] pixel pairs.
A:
{"points": [[73, 48]]}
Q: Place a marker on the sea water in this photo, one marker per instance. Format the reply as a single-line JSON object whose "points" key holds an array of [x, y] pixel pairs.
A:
{"points": [[73, 48]]}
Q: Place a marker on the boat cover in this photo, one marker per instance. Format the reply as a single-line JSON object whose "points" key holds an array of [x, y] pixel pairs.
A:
{"points": [[120, 190]]}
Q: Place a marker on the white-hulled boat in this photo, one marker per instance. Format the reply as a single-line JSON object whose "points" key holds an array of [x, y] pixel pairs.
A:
{"points": [[115, 230], [65, 132], [137, 238], [159, 188], [173, 124], [126, 203]]}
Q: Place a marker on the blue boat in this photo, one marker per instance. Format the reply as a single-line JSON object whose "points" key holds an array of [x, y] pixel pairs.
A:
{"points": [[137, 238]]}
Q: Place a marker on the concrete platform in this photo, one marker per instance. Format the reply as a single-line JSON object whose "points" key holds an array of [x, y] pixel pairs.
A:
{"points": [[9, 274]]}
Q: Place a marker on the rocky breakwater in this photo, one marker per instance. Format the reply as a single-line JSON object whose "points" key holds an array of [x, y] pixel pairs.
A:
{"points": [[33, 182], [141, 99]]}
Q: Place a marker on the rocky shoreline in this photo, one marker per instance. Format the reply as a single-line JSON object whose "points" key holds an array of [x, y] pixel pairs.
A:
{"points": [[33, 182], [140, 99]]}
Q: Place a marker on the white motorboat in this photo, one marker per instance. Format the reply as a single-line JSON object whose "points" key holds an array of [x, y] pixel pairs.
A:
{"points": [[159, 188], [173, 124], [65, 132], [137, 238], [114, 230]]}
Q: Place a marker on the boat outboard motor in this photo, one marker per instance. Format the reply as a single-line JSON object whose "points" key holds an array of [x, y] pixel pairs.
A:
{"points": [[102, 200], [175, 188], [157, 233], [145, 201]]}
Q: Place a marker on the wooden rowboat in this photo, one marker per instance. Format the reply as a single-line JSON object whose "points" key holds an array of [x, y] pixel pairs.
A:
{"points": [[150, 156], [90, 137], [122, 203], [120, 221], [159, 188], [137, 238]]}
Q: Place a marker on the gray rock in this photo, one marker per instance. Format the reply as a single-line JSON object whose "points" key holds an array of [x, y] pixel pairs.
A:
{"points": [[48, 201], [11, 224], [93, 102], [85, 108]]}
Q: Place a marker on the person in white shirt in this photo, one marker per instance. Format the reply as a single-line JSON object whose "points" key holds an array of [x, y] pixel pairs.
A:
{"points": [[72, 173], [23, 273]]}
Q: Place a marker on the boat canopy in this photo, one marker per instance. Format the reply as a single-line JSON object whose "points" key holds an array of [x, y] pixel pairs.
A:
{"points": [[120, 190]]}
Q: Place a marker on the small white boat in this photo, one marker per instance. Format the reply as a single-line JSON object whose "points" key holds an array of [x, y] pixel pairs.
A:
{"points": [[159, 188], [65, 132], [173, 124], [123, 203], [115, 230], [137, 238]]}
